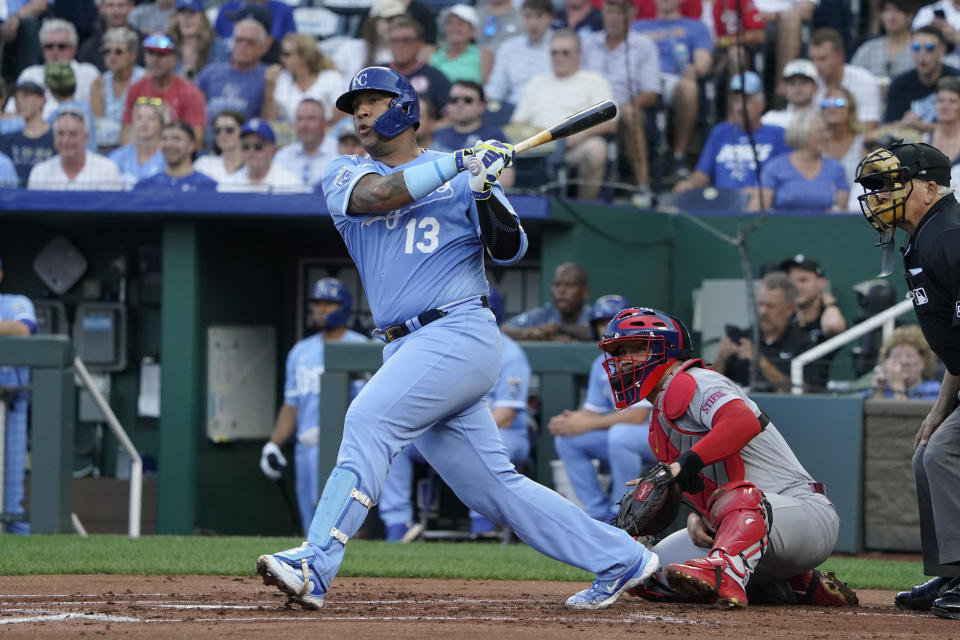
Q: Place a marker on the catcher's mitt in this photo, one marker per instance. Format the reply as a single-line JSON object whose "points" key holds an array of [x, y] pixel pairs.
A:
{"points": [[651, 506]]}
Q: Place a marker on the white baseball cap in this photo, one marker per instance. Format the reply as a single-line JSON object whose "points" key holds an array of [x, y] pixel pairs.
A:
{"points": [[465, 13], [800, 67]]}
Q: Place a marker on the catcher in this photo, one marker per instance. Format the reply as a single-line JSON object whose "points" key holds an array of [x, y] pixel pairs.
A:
{"points": [[761, 524]]}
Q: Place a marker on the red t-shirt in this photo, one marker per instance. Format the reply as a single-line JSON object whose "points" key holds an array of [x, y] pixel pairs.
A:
{"points": [[726, 21], [648, 8], [182, 98]]}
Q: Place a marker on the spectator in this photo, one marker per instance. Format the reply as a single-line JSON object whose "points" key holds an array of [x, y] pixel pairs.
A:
{"points": [[580, 16], [906, 367], [498, 20], [845, 140], [799, 87], [784, 20], [566, 90], [62, 84], [685, 57], [460, 58], [308, 157], [827, 53], [113, 15], [193, 37], [804, 179], [406, 42], [428, 122], [59, 41], [946, 131], [178, 173], [780, 339], [281, 15], [372, 48], [260, 174], [74, 168], [912, 98], [597, 431], [108, 94], [508, 79], [465, 114], [17, 318], [34, 143], [740, 34], [889, 55], [348, 144], [179, 95], [930, 16], [729, 160], [306, 73], [565, 318], [818, 315], [143, 158], [241, 84], [152, 17], [19, 41], [8, 173], [631, 64], [226, 161]]}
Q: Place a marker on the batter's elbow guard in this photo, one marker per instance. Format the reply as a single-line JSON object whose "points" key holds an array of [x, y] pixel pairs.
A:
{"points": [[501, 232]]}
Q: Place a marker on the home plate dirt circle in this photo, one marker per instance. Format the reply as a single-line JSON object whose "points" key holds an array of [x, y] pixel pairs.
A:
{"points": [[241, 607]]}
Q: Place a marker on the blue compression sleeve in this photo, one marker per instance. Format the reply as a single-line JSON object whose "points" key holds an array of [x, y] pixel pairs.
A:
{"points": [[426, 177]]}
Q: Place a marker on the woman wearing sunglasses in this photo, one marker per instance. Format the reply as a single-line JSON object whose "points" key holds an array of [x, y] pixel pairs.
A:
{"points": [[946, 131], [305, 73], [226, 160], [143, 158], [845, 143], [108, 93]]}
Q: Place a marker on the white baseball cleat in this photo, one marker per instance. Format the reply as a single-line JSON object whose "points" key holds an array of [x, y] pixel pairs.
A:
{"points": [[292, 572], [601, 595]]}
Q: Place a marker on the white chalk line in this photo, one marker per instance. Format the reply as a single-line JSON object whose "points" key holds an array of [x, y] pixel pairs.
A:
{"points": [[96, 617]]}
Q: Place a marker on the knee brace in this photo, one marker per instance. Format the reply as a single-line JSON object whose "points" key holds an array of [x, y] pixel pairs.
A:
{"points": [[738, 515], [340, 492]]}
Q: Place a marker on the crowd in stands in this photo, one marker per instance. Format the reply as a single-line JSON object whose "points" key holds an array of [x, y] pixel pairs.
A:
{"points": [[776, 100]]}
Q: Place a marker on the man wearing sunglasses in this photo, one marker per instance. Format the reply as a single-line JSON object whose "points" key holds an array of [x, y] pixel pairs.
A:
{"points": [[907, 186], [113, 15], [260, 173], [827, 52], [913, 95]]}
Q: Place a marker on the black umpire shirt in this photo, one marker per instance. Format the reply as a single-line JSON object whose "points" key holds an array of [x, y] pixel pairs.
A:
{"points": [[931, 265], [779, 352]]}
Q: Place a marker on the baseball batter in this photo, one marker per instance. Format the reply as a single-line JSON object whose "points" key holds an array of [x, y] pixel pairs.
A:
{"points": [[330, 307], [17, 318], [762, 524], [416, 223]]}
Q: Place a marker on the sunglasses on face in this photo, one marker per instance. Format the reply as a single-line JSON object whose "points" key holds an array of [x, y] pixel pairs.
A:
{"points": [[227, 129], [286, 54], [255, 146], [833, 102], [403, 40], [463, 99], [59, 46], [117, 51], [153, 101], [928, 47], [560, 52]]}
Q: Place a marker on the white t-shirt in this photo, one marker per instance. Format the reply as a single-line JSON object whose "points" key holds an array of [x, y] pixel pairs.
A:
{"points": [[213, 166], [925, 14], [277, 180], [84, 72], [98, 174], [548, 99], [327, 88]]}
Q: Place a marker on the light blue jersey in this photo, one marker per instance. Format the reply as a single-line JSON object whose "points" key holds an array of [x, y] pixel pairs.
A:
{"points": [[16, 308], [422, 256], [513, 384]]}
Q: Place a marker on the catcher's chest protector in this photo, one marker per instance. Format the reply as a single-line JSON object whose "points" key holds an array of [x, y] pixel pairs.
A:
{"points": [[668, 439]]}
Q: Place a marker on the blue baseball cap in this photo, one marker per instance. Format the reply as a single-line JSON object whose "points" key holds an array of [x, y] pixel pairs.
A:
{"points": [[193, 5], [748, 82], [259, 127]]}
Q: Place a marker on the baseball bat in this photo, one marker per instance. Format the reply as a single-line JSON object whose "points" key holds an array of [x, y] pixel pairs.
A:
{"points": [[580, 121]]}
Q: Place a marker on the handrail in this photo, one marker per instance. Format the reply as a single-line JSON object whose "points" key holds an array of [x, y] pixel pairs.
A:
{"points": [[136, 462], [884, 318]]}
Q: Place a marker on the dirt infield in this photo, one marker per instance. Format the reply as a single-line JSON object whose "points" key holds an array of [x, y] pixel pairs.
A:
{"points": [[192, 606]]}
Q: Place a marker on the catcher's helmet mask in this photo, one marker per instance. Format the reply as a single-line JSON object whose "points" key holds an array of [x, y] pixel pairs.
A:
{"points": [[404, 109]]}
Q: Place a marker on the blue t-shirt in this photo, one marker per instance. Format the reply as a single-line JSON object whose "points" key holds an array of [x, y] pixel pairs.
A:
{"points": [[281, 12], [727, 156], [8, 173], [26, 152], [448, 139], [228, 89], [513, 383], [131, 170], [545, 314], [14, 307], [676, 40], [794, 192], [301, 389], [419, 257], [195, 181]]}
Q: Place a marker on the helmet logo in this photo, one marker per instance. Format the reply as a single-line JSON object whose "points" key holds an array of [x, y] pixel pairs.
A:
{"points": [[361, 79]]}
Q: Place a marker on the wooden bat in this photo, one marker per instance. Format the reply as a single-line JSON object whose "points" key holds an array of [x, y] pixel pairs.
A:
{"points": [[580, 121]]}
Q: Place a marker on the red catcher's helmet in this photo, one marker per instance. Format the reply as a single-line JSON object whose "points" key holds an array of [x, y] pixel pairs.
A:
{"points": [[663, 339]]}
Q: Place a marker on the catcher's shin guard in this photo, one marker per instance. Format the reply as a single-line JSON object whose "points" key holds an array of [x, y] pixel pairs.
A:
{"points": [[341, 511]]}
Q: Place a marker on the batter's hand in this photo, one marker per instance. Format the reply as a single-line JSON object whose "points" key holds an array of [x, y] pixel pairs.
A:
{"points": [[491, 156], [504, 149], [272, 462]]}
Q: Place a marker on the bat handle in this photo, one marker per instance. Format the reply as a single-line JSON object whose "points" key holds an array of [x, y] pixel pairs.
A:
{"points": [[533, 141]]}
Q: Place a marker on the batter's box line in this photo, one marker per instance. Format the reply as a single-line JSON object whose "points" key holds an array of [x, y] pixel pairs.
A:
{"points": [[94, 617]]}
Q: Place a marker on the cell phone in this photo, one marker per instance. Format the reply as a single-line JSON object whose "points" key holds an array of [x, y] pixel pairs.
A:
{"points": [[938, 13], [733, 332]]}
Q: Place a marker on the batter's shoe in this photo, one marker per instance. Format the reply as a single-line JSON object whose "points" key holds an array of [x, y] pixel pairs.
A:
{"points": [[705, 580], [948, 605], [822, 589], [601, 595], [922, 596], [292, 572]]}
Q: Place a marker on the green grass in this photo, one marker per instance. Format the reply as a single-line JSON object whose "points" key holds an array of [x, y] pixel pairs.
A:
{"points": [[235, 556]]}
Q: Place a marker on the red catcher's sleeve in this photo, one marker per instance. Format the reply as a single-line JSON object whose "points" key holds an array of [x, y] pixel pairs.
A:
{"points": [[734, 425]]}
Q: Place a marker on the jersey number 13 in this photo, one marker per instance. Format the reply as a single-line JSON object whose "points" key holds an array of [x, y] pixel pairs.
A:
{"points": [[430, 235]]}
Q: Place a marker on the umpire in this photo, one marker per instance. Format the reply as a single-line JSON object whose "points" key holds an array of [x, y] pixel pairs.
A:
{"points": [[907, 186]]}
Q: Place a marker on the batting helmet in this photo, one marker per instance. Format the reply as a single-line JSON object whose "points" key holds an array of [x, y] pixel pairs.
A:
{"points": [[661, 339], [404, 109], [496, 303], [605, 308], [335, 291]]}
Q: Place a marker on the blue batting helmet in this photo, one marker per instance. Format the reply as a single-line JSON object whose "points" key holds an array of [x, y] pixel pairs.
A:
{"points": [[404, 110], [496, 303], [335, 291], [661, 339], [605, 308]]}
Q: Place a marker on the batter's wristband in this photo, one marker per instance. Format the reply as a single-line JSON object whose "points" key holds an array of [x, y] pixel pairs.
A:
{"points": [[427, 177], [689, 476]]}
